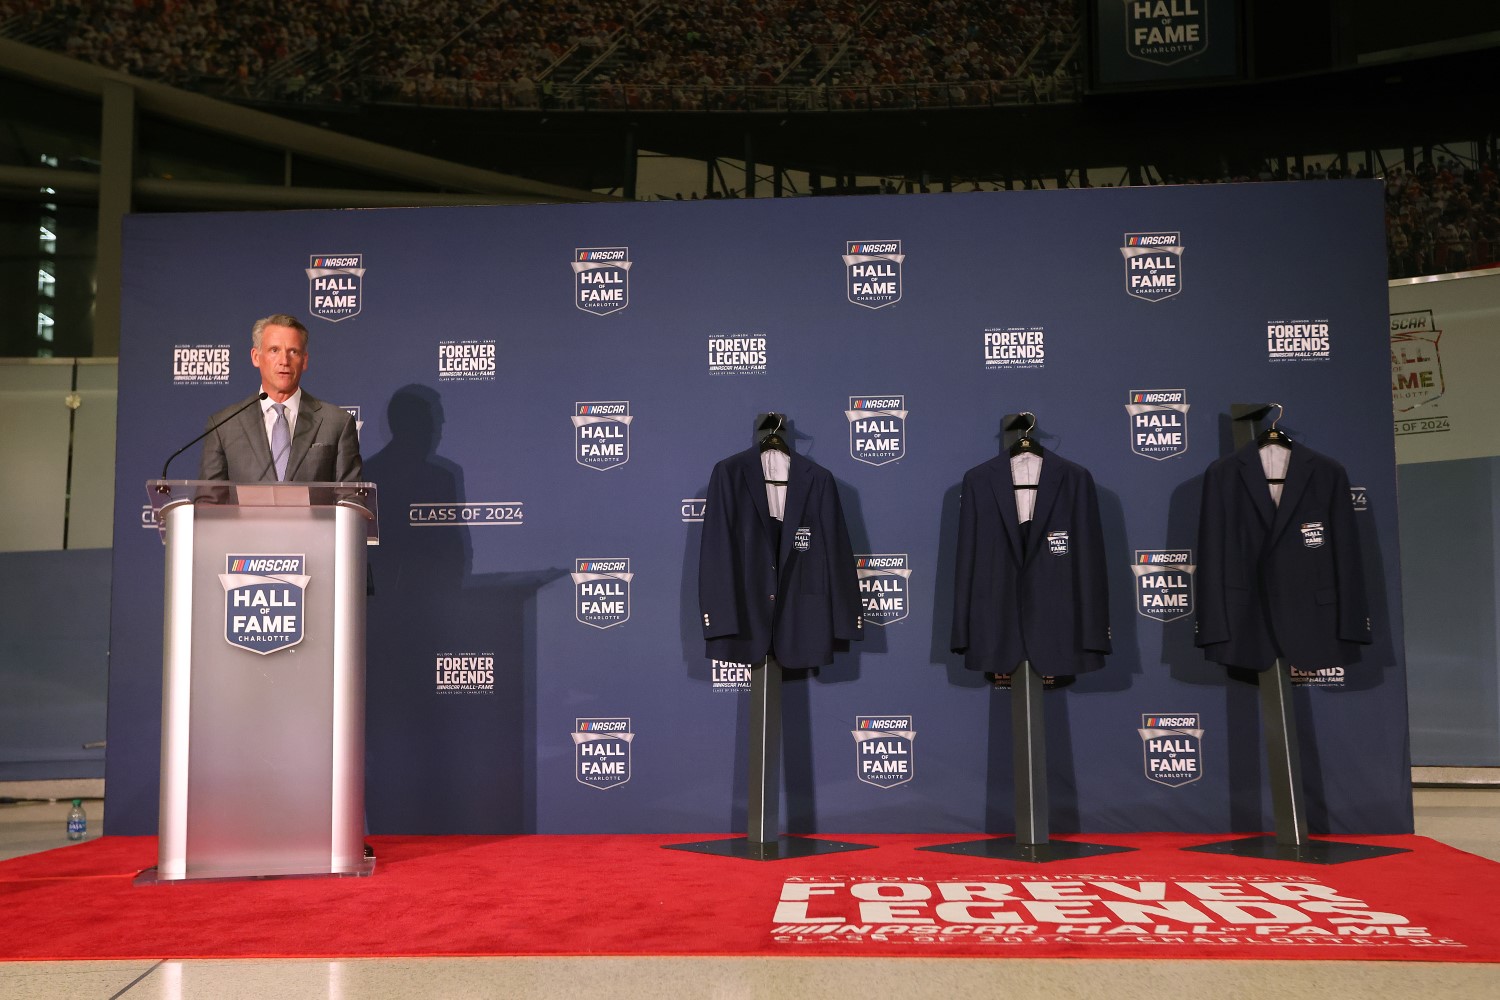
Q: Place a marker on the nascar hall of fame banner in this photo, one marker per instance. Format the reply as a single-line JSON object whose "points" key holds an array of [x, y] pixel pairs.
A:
{"points": [[601, 279], [872, 272], [1165, 32], [877, 429], [200, 364], [1416, 364], [884, 587], [601, 752], [335, 286], [1173, 748], [602, 590], [883, 749], [1153, 265], [1163, 583], [1164, 42], [1158, 422], [263, 601], [601, 434]]}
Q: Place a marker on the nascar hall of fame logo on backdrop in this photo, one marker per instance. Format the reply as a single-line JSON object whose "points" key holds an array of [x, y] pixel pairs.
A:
{"points": [[464, 673], [601, 279], [1158, 422], [335, 286], [872, 270], [877, 429], [466, 361], [1153, 265], [601, 751], [1323, 677], [729, 676], [884, 587], [359, 424], [263, 600], [601, 433], [1359, 496], [692, 509], [882, 749], [1015, 347], [602, 588], [737, 354], [1173, 748], [1165, 32], [1297, 340], [200, 364], [1416, 365], [1163, 583], [466, 514]]}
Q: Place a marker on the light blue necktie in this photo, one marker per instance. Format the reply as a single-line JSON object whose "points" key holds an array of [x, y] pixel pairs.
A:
{"points": [[281, 440]]}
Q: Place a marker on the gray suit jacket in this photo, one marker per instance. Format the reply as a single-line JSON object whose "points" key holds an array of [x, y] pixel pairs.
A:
{"points": [[325, 447]]}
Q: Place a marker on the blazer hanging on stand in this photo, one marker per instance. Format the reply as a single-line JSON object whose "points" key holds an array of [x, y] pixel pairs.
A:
{"points": [[788, 588], [1280, 580]]}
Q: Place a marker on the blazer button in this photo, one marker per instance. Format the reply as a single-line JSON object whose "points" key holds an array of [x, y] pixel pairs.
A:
{"points": [[773, 597]]}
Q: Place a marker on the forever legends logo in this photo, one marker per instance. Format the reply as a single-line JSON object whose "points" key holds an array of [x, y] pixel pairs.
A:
{"points": [[1163, 583], [602, 591], [1153, 265], [601, 752], [601, 279], [883, 749], [877, 429], [872, 272], [1158, 422], [601, 433], [1165, 32], [263, 600], [335, 285], [1172, 746]]}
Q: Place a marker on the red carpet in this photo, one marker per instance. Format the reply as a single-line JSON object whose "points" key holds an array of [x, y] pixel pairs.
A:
{"points": [[623, 895]]}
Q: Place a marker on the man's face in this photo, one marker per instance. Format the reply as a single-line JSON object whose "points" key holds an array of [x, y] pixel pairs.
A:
{"points": [[281, 358]]}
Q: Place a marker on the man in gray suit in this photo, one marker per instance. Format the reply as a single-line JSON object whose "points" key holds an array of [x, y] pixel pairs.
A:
{"points": [[291, 435]]}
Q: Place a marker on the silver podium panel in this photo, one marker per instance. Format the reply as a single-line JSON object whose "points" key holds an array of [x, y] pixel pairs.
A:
{"points": [[263, 689]]}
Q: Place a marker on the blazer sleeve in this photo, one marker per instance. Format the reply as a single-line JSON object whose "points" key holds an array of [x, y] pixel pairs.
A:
{"points": [[963, 563], [1212, 618], [716, 564], [350, 466], [1094, 594], [843, 579], [1353, 599]]}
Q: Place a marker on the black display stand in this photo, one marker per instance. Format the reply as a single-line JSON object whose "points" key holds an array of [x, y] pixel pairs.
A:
{"points": [[763, 840], [1029, 757], [1279, 728]]}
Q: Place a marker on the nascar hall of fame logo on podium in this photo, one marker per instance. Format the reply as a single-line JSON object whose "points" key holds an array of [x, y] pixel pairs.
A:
{"points": [[1153, 265], [1416, 365], [1173, 748], [1163, 583], [602, 589], [601, 752], [877, 429], [883, 749], [263, 600], [601, 433], [601, 279], [1165, 32], [1158, 422], [872, 272], [884, 587], [335, 286]]}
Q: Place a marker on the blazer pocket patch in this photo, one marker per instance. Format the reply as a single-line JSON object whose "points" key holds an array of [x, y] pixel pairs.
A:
{"points": [[1312, 534], [1057, 543], [802, 539]]}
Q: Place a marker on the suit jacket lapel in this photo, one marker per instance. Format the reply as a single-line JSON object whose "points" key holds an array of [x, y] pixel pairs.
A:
{"points": [[754, 480], [308, 418], [252, 423], [1298, 473], [798, 488], [1253, 475], [1046, 497], [1003, 490]]}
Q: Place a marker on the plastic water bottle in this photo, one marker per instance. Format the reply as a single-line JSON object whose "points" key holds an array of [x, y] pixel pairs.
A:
{"points": [[78, 823]]}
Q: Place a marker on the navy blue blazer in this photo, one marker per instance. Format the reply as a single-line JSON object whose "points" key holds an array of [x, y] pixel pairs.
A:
{"points": [[1047, 602], [793, 599], [1280, 580]]}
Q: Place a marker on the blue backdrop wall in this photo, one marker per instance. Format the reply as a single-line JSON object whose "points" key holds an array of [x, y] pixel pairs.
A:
{"points": [[498, 359]]}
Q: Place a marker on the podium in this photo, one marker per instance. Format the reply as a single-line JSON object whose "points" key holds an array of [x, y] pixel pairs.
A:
{"points": [[263, 679]]}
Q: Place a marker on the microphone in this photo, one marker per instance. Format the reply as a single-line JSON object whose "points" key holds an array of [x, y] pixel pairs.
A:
{"points": [[256, 399]]}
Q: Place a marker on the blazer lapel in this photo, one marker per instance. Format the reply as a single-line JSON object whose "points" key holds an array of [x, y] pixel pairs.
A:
{"points": [[252, 423], [1253, 475], [308, 417], [798, 488], [1046, 498], [1298, 473], [1003, 490], [754, 480]]}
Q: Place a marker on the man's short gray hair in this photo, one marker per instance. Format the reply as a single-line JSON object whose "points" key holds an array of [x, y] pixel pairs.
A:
{"points": [[277, 319]]}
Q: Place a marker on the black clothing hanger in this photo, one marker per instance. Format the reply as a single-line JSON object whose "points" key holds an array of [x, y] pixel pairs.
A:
{"points": [[1026, 445], [1273, 436], [772, 437]]}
